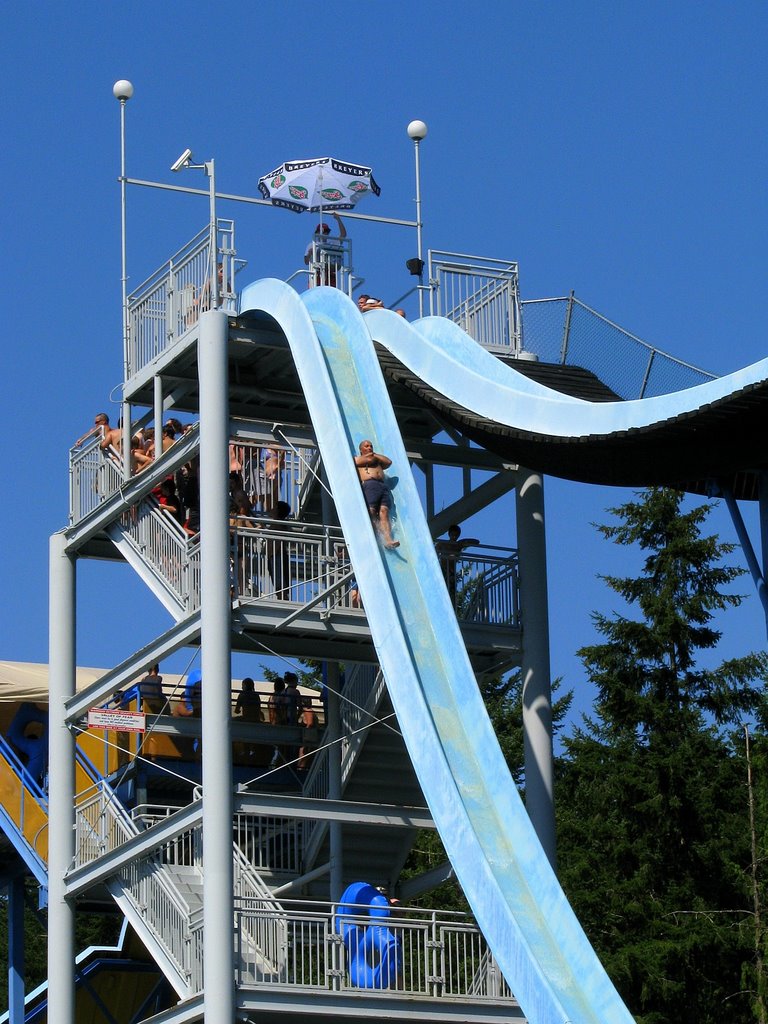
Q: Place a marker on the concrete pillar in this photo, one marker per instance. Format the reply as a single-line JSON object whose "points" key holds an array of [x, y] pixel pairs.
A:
{"points": [[61, 792], [218, 880], [537, 690]]}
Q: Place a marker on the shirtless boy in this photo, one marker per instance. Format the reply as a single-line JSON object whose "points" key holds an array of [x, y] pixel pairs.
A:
{"points": [[370, 469]]}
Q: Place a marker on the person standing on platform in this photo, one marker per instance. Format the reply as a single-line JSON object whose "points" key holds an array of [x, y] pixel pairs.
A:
{"points": [[325, 254], [100, 427]]}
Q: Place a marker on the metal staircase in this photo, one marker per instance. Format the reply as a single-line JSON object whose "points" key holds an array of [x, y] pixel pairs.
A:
{"points": [[161, 554], [24, 812], [161, 895], [375, 767]]}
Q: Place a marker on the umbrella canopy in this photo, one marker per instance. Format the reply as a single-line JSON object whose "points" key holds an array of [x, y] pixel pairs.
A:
{"points": [[317, 185]]}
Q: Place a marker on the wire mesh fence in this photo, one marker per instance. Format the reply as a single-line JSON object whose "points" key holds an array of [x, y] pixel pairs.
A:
{"points": [[567, 331]]}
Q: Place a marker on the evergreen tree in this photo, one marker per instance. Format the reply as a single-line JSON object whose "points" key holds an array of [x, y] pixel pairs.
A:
{"points": [[653, 811]]}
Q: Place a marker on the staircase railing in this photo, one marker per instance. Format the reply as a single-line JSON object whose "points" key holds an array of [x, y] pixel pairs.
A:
{"points": [[261, 934], [24, 805], [102, 824], [171, 557], [149, 882], [93, 477]]}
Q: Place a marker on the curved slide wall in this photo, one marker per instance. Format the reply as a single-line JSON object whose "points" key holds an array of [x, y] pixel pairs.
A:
{"points": [[447, 359], [515, 896]]}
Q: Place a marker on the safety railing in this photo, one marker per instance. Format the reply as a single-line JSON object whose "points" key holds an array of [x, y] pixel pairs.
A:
{"points": [[330, 263], [102, 825], [480, 295], [269, 843], [567, 331], [23, 803], [287, 561], [269, 473], [94, 476], [170, 301], [483, 588], [430, 953]]}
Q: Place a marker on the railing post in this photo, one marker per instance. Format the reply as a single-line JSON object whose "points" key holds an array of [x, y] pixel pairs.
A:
{"points": [[566, 329], [647, 374]]}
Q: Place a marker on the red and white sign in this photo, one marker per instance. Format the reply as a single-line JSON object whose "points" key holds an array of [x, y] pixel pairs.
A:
{"points": [[116, 721]]}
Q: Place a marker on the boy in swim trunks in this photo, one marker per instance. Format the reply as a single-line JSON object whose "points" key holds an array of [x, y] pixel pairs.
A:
{"points": [[370, 469]]}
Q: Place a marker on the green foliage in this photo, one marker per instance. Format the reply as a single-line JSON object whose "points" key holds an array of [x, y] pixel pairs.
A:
{"points": [[653, 819], [310, 675], [90, 930], [646, 672]]}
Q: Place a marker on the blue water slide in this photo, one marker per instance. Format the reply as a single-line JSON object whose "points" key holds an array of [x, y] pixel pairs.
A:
{"points": [[451, 362], [514, 894]]}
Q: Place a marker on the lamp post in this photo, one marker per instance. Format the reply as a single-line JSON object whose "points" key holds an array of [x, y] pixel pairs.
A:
{"points": [[122, 91], [417, 130]]}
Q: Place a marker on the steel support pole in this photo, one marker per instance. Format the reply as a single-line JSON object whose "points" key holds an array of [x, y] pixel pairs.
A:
{"points": [[537, 690], [61, 792], [419, 225], [218, 875], [126, 409], [746, 545], [333, 739], [762, 484], [16, 950], [429, 490], [157, 412], [210, 170]]}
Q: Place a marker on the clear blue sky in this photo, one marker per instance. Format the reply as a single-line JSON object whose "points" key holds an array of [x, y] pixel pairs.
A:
{"points": [[618, 150]]}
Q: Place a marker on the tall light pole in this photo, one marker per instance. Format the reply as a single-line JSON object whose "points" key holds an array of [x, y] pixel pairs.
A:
{"points": [[122, 91], [417, 130]]}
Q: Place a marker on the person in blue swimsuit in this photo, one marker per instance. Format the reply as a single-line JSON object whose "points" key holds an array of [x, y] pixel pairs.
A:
{"points": [[370, 469]]}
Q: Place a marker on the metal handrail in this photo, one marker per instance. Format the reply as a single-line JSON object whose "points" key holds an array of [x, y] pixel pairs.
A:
{"points": [[479, 294], [438, 954], [102, 825], [169, 302]]}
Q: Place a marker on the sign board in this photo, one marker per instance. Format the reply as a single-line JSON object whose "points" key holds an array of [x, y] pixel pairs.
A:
{"points": [[117, 721]]}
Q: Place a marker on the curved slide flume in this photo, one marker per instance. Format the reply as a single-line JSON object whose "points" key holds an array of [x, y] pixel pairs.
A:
{"points": [[712, 432], [514, 894]]}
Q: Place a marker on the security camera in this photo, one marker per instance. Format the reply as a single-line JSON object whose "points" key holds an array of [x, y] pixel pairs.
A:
{"points": [[183, 160]]}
